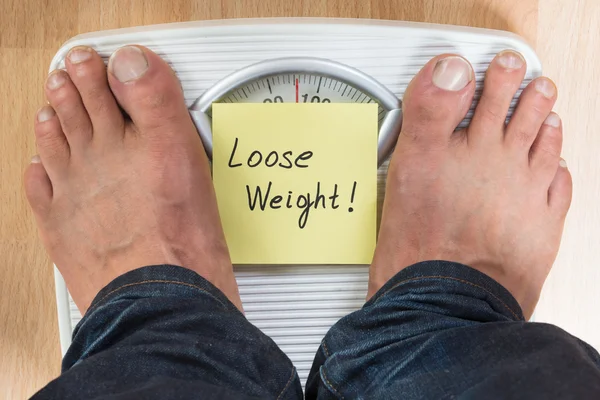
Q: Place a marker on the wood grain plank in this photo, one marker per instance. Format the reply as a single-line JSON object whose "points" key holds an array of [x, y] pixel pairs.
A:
{"points": [[28, 332], [518, 17], [569, 46]]}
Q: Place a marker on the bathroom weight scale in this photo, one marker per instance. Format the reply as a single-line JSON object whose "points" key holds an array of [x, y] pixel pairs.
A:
{"points": [[304, 60]]}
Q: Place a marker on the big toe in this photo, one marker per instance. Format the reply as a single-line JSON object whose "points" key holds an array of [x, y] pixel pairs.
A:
{"points": [[436, 101], [148, 90]]}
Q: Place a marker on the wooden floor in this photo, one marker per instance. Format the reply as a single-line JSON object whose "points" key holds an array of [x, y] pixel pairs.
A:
{"points": [[565, 33]]}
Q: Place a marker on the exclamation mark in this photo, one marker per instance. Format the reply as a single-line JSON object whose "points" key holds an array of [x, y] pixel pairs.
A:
{"points": [[350, 209]]}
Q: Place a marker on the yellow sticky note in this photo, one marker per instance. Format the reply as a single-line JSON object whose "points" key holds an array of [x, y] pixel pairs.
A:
{"points": [[296, 183]]}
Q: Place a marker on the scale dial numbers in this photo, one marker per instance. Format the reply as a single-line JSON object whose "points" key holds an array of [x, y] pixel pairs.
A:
{"points": [[298, 88], [301, 80]]}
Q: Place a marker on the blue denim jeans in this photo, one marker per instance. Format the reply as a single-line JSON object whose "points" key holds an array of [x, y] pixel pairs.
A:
{"points": [[437, 330]]}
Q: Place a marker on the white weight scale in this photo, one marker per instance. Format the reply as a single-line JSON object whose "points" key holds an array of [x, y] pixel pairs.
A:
{"points": [[304, 60]]}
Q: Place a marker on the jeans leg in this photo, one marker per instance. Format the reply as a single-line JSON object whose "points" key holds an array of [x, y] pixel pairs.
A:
{"points": [[441, 330], [164, 332]]}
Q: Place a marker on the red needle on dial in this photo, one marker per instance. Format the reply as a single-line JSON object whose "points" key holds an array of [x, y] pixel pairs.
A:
{"points": [[296, 90]]}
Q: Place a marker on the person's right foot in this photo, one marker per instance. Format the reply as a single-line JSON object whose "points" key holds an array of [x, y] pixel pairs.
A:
{"points": [[492, 196], [112, 192]]}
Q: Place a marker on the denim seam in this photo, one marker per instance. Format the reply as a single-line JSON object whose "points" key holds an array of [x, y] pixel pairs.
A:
{"points": [[451, 278], [154, 281], [330, 385], [325, 348], [287, 384]]}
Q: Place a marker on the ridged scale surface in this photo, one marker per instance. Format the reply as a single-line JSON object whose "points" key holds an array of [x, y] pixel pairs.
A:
{"points": [[296, 305]]}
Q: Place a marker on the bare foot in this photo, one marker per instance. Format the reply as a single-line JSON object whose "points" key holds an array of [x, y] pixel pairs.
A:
{"points": [[110, 193], [492, 196]]}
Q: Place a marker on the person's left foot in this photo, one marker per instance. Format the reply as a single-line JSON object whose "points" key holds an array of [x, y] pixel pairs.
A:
{"points": [[493, 196], [112, 193]]}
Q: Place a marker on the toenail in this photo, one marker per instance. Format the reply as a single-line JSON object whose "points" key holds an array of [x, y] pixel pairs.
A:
{"points": [[546, 87], [45, 113], [79, 54], [510, 60], [562, 163], [36, 159], [128, 63], [552, 120], [55, 80], [452, 73]]}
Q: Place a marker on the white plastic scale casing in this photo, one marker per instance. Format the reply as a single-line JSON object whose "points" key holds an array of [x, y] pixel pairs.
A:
{"points": [[296, 304]]}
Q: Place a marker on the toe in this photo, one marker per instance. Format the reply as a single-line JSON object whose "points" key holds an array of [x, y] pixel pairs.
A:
{"points": [[534, 106], [561, 190], [51, 142], [502, 81], [38, 188], [88, 72], [436, 100], [66, 101], [545, 151], [147, 89]]}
